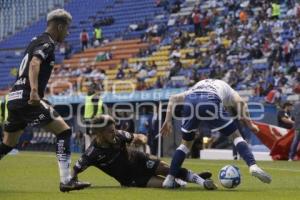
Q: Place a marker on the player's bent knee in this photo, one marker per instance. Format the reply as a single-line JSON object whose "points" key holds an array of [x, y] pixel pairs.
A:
{"points": [[57, 126], [162, 169], [155, 182], [11, 139]]}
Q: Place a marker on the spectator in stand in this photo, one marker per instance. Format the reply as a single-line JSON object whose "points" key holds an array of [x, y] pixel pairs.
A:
{"points": [[288, 48], [137, 66], [84, 39], [282, 80], [160, 82], [162, 3], [275, 10], [259, 89], [153, 70], [98, 38], [68, 50], [141, 85], [176, 67], [243, 17], [205, 24], [276, 79], [103, 56], [274, 96], [284, 117], [296, 140], [196, 16], [120, 75], [143, 73], [175, 7], [124, 63], [175, 53], [152, 29]]}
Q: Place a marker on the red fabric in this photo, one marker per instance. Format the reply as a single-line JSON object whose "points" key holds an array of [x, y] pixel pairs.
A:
{"points": [[205, 22], [265, 134], [296, 88], [298, 11], [278, 143], [84, 37], [286, 48], [196, 18], [270, 96], [281, 148]]}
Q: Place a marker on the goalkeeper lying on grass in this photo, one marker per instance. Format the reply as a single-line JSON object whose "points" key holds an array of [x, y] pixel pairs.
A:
{"points": [[109, 153]]}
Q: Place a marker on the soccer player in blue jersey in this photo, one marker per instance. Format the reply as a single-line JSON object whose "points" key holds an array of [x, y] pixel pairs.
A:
{"points": [[206, 101]]}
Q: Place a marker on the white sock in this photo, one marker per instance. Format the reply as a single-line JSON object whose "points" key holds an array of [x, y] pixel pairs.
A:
{"points": [[253, 166], [194, 178], [170, 177], [64, 170]]}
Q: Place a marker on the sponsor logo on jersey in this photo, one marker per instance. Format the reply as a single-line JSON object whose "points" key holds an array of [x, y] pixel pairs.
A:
{"points": [[46, 45], [127, 135], [150, 164], [42, 116], [21, 81], [15, 95], [35, 122], [41, 53]]}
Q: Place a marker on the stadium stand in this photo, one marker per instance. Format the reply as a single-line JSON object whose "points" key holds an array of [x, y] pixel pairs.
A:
{"points": [[148, 45], [222, 41], [252, 52], [138, 11]]}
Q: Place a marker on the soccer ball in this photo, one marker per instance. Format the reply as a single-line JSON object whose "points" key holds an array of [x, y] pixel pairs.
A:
{"points": [[229, 176]]}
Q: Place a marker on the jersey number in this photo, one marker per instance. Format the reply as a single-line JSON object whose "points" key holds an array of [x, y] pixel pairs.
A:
{"points": [[23, 65]]}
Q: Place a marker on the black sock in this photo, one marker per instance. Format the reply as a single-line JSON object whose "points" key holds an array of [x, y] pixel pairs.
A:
{"points": [[4, 149]]}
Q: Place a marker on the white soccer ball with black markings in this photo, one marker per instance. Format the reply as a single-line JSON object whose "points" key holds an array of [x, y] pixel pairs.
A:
{"points": [[230, 176]]}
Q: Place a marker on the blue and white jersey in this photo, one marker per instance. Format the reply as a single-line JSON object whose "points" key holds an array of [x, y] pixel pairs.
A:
{"points": [[218, 87]]}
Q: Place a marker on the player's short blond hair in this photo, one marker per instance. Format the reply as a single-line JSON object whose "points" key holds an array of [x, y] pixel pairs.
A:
{"points": [[59, 15], [98, 124]]}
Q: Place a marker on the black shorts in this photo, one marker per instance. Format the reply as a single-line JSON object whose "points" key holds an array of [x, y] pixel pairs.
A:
{"points": [[143, 168], [19, 118]]}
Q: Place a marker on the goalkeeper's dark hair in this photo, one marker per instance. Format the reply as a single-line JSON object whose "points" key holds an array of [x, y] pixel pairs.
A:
{"points": [[98, 124]]}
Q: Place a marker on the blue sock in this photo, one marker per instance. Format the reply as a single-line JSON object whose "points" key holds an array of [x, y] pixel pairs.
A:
{"points": [[294, 145], [245, 152], [178, 159]]}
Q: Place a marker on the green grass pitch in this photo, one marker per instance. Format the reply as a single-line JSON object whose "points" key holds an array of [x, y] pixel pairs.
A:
{"points": [[34, 176]]}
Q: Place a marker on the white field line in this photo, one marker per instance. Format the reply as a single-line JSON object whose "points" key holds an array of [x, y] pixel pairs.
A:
{"points": [[200, 162], [243, 166]]}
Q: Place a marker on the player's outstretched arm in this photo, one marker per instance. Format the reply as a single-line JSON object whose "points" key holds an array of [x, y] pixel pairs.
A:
{"points": [[139, 139], [81, 165], [34, 69], [241, 108], [173, 101]]}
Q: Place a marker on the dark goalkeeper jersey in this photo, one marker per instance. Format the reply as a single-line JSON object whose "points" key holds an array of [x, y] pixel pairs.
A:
{"points": [[42, 47], [116, 160]]}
